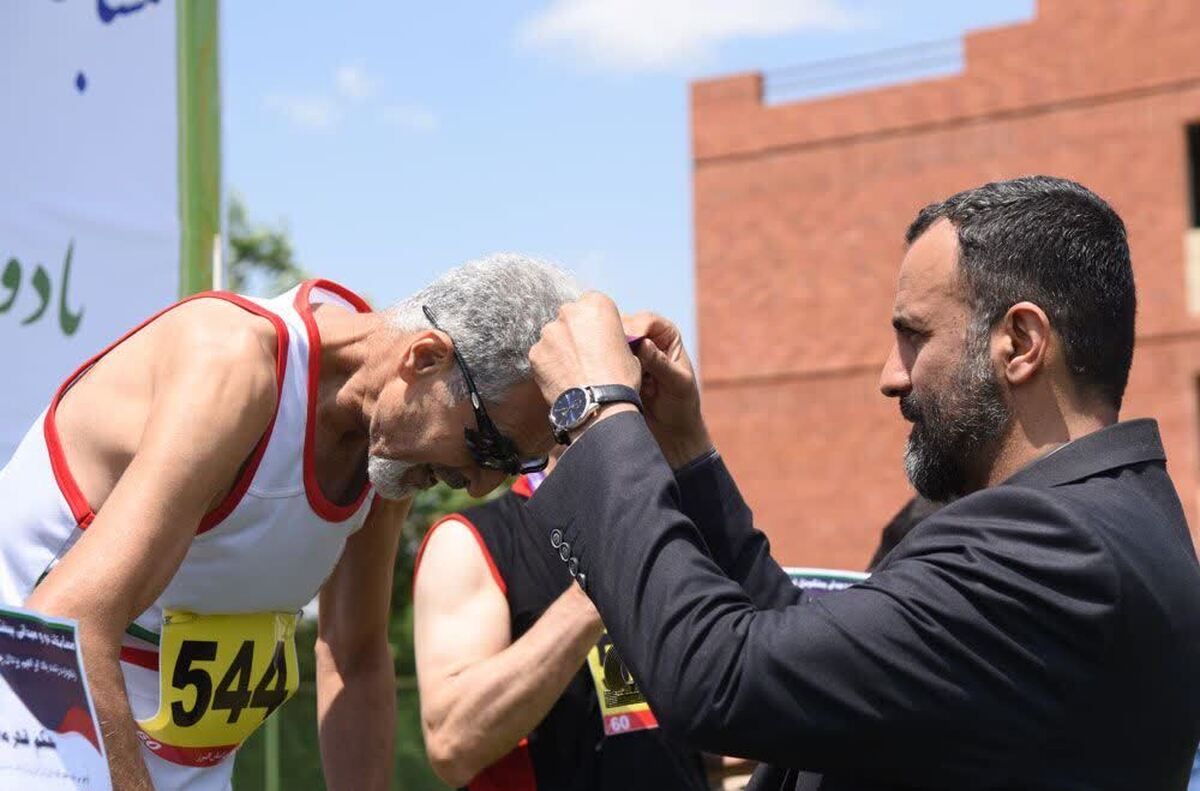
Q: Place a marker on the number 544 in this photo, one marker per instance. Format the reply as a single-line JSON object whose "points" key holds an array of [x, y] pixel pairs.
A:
{"points": [[232, 693]]}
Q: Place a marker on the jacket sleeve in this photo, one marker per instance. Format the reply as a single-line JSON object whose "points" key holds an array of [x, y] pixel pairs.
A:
{"points": [[953, 658], [709, 497]]}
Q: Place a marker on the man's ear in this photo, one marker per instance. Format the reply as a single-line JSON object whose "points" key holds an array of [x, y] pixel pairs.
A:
{"points": [[428, 353], [1025, 337]]}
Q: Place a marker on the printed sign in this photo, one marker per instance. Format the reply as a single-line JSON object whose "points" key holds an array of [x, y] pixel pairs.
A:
{"points": [[816, 582], [49, 738]]}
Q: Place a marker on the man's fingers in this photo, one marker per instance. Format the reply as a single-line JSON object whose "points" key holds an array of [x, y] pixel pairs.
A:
{"points": [[637, 323], [659, 366], [597, 300], [661, 332], [650, 357]]}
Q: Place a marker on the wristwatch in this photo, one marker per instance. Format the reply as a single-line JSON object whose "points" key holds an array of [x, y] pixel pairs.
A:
{"points": [[574, 406]]}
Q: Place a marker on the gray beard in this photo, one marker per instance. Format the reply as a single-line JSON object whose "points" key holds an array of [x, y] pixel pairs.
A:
{"points": [[386, 475], [953, 431]]}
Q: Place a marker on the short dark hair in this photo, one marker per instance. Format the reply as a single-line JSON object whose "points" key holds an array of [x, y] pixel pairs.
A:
{"points": [[1057, 244]]}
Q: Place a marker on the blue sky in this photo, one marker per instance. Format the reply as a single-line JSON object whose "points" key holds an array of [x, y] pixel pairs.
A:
{"points": [[401, 138]]}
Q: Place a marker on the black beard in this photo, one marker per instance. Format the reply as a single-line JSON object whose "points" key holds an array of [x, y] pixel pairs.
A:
{"points": [[952, 430]]}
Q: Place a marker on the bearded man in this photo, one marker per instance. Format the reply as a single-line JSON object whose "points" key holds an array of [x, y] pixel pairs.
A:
{"points": [[1041, 632]]}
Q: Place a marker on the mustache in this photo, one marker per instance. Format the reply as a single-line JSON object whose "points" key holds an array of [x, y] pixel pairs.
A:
{"points": [[910, 408], [388, 477], [452, 478]]}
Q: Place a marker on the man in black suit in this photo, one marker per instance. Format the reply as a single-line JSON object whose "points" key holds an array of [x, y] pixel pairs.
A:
{"points": [[1040, 632]]}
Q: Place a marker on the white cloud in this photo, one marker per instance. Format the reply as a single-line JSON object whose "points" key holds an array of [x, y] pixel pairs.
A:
{"points": [[353, 93], [354, 83], [314, 113], [410, 118], [636, 35]]}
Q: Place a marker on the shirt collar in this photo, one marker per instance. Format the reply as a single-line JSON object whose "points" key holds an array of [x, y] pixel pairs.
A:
{"points": [[1119, 445]]}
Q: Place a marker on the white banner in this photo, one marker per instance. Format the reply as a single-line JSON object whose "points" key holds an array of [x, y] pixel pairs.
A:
{"points": [[89, 196]]}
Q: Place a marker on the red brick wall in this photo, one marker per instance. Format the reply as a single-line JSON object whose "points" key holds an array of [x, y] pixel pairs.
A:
{"points": [[800, 212]]}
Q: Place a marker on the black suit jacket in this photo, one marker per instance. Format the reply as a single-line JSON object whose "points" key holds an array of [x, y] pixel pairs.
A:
{"points": [[1040, 634]]}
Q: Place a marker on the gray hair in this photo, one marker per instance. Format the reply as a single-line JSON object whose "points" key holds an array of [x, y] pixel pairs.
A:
{"points": [[494, 309]]}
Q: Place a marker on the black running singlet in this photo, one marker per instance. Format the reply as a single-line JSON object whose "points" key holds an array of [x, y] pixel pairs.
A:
{"points": [[569, 748]]}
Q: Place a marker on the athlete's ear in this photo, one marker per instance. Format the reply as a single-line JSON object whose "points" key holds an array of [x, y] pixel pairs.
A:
{"points": [[428, 353]]}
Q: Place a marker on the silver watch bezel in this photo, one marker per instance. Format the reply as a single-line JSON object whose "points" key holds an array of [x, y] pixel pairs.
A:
{"points": [[589, 408]]}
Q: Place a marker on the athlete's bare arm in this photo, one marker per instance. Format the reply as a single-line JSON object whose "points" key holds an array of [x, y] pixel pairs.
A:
{"points": [[481, 693], [210, 397], [356, 684]]}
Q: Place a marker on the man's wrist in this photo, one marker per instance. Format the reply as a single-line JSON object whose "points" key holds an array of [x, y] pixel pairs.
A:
{"points": [[602, 412], [704, 459], [681, 451]]}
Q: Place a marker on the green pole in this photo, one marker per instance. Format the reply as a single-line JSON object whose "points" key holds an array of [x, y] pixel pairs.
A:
{"points": [[199, 133], [271, 754]]}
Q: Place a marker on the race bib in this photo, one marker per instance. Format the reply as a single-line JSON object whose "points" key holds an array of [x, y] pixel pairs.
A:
{"points": [[622, 706], [220, 677]]}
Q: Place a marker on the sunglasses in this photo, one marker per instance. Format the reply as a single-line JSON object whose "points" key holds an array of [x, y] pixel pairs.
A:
{"points": [[488, 446]]}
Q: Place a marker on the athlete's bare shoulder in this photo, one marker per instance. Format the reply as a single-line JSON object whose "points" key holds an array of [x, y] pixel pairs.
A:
{"points": [[196, 340], [213, 332], [216, 360]]}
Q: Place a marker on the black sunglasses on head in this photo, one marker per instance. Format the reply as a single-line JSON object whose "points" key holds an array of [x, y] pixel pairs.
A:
{"points": [[487, 444]]}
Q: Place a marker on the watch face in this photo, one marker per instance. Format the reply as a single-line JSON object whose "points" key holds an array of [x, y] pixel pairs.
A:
{"points": [[569, 407]]}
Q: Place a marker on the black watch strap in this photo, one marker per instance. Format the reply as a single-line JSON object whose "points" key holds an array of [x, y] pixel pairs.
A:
{"points": [[610, 394]]}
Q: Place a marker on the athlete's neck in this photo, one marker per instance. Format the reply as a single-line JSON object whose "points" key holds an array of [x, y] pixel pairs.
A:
{"points": [[344, 388]]}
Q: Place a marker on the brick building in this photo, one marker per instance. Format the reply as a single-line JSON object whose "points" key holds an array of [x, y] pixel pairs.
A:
{"points": [[800, 211]]}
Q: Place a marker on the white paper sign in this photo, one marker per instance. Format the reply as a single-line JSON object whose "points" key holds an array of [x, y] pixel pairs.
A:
{"points": [[49, 737]]}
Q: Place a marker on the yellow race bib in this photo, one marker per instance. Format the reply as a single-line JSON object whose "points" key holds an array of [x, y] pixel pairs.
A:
{"points": [[220, 677], [622, 706]]}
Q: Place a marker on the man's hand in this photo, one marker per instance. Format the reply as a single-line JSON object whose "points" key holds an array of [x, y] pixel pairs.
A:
{"points": [[585, 345], [670, 393]]}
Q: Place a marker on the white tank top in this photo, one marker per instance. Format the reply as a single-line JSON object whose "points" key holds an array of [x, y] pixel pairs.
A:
{"points": [[268, 546]]}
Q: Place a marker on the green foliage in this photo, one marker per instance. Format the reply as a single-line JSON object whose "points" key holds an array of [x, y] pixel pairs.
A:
{"points": [[261, 259]]}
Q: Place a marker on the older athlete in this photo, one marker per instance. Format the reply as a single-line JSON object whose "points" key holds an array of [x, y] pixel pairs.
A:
{"points": [[191, 487], [520, 686]]}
